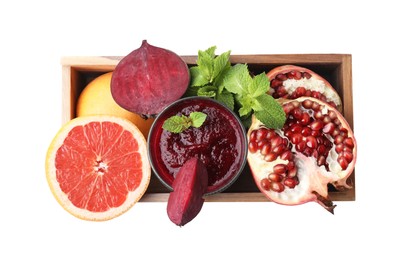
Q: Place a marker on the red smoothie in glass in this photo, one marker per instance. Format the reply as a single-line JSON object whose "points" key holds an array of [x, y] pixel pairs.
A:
{"points": [[220, 143]]}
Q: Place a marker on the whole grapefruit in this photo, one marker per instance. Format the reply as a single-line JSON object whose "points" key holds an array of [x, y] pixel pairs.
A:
{"points": [[96, 99]]}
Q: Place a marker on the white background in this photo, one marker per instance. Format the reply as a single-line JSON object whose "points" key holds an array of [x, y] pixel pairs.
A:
{"points": [[36, 34]]}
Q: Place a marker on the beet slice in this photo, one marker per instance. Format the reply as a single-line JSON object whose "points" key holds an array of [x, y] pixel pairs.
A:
{"points": [[189, 186], [148, 79]]}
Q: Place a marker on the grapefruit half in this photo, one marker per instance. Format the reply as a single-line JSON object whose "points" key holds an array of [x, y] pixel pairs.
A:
{"points": [[97, 166]]}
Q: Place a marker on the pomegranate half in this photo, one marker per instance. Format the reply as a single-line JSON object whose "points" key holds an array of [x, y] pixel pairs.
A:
{"points": [[294, 165], [291, 82]]}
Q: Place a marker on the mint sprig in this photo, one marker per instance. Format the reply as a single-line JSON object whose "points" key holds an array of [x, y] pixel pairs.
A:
{"points": [[214, 77], [251, 94], [177, 124]]}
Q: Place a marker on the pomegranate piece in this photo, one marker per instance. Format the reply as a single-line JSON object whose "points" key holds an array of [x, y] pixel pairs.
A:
{"points": [[291, 82], [189, 186], [148, 79], [307, 155]]}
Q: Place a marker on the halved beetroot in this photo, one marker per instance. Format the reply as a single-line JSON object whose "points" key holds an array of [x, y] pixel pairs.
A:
{"points": [[148, 79], [189, 186], [291, 82]]}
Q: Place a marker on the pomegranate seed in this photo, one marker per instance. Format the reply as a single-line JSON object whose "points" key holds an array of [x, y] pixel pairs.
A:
{"points": [[300, 91], [270, 157], [297, 113], [271, 134], [281, 77], [318, 115], [261, 133], [281, 91], [321, 149], [311, 142], [277, 187], [315, 94], [275, 141], [279, 168], [275, 95], [290, 182], [315, 106], [315, 133], [265, 184], [253, 134], [306, 75], [253, 147], [287, 155], [265, 149], [275, 177], [326, 119], [287, 108], [339, 148], [329, 128], [305, 119], [306, 131], [292, 173], [321, 160], [290, 165], [300, 146], [348, 156], [332, 115], [336, 132], [338, 139], [316, 125], [276, 83], [296, 128], [296, 138], [307, 103], [308, 151], [349, 142], [342, 162], [278, 149]]}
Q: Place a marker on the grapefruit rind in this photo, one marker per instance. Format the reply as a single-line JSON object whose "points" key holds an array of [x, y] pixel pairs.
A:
{"points": [[62, 198]]}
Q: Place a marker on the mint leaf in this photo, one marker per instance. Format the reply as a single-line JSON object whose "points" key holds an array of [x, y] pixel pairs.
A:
{"points": [[177, 124], [211, 51], [226, 98], [205, 63], [238, 79], [271, 115], [207, 91], [246, 105], [197, 78], [260, 85], [220, 63], [197, 118]]}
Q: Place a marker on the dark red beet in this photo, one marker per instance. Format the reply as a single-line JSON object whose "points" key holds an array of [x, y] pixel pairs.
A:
{"points": [[189, 186], [148, 79]]}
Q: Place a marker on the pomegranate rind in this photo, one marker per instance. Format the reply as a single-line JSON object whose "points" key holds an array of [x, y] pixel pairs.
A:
{"points": [[313, 179], [148, 79], [324, 87], [62, 198]]}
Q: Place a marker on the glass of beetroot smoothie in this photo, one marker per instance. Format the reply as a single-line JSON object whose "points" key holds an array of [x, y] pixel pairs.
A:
{"points": [[220, 143]]}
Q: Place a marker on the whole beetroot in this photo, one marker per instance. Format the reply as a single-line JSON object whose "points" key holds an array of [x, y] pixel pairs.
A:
{"points": [[189, 186], [148, 79]]}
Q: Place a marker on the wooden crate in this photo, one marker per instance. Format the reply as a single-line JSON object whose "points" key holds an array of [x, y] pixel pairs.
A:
{"points": [[77, 72]]}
